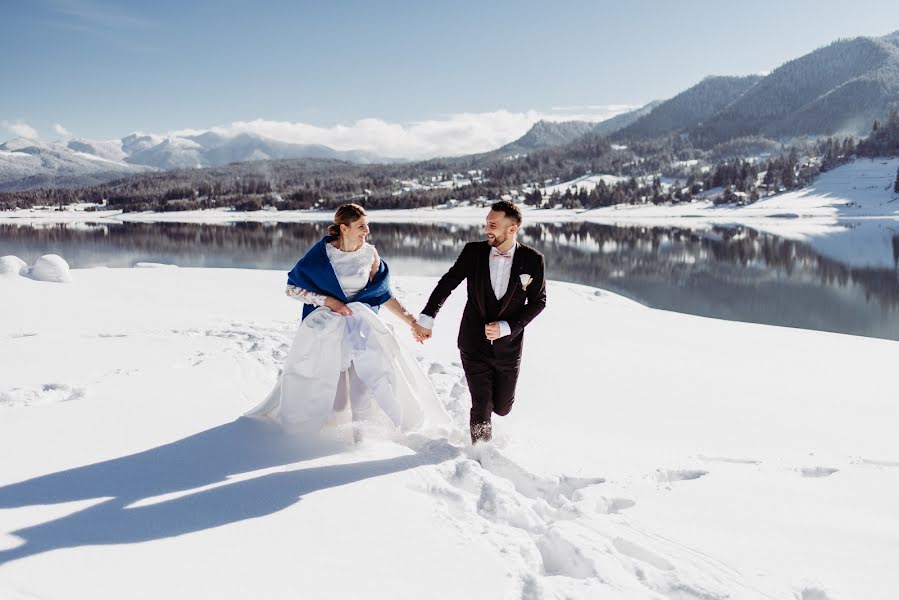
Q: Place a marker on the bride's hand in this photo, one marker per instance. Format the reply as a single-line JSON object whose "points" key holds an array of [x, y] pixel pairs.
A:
{"points": [[337, 306]]}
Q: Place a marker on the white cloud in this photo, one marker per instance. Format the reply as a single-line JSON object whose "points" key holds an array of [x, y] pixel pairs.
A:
{"points": [[62, 131], [464, 133], [20, 129]]}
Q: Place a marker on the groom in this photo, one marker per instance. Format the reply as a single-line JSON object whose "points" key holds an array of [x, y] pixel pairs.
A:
{"points": [[506, 290]]}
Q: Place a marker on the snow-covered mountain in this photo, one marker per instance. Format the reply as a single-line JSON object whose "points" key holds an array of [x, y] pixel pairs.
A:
{"points": [[211, 149], [547, 134], [27, 164], [552, 134]]}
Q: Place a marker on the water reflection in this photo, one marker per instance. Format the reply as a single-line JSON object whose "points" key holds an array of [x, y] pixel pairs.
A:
{"points": [[726, 272]]}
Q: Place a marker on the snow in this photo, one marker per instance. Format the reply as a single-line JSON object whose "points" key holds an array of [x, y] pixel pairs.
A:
{"points": [[24, 162], [862, 188], [585, 182], [12, 266], [107, 149], [650, 454], [51, 267]]}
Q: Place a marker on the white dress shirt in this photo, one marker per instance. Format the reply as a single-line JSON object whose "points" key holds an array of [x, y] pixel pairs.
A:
{"points": [[500, 270]]}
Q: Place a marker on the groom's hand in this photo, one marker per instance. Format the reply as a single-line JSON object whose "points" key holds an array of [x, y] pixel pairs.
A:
{"points": [[420, 333], [491, 330]]}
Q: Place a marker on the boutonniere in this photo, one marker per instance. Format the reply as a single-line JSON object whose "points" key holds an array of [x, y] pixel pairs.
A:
{"points": [[525, 280]]}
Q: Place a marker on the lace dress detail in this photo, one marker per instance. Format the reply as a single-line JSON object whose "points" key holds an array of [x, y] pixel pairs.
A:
{"points": [[305, 296], [352, 269]]}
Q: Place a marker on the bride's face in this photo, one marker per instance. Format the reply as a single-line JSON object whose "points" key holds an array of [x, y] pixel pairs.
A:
{"points": [[355, 233]]}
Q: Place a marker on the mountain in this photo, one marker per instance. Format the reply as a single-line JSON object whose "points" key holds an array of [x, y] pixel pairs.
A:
{"points": [[547, 134], [27, 164], [552, 134], [838, 89], [689, 108], [248, 146], [108, 149], [619, 122], [170, 153], [212, 149]]}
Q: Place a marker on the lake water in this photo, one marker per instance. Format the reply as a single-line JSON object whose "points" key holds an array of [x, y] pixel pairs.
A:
{"points": [[728, 272]]}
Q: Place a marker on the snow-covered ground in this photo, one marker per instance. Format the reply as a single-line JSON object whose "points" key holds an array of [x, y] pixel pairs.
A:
{"points": [[649, 455], [587, 182], [863, 188]]}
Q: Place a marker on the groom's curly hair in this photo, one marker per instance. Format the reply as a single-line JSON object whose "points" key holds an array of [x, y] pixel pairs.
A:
{"points": [[510, 209]]}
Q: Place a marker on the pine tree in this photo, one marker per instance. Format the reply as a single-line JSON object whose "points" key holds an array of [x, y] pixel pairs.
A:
{"points": [[896, 185]]}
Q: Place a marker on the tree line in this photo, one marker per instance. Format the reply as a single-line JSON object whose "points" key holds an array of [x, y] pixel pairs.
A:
{"points": [[325, 184]]}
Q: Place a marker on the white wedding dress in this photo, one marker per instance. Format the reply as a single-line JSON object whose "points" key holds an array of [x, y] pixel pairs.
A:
{"points": [[333, 356]]}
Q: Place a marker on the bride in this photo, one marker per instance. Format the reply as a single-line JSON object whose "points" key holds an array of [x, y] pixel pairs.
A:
{"points": [[343, 351]]}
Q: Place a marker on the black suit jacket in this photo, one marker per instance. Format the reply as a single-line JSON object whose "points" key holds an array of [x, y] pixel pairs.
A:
{"points": [[518, 307]]}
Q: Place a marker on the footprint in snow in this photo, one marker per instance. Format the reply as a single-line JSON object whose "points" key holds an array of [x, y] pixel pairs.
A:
{"points": [[672, 475], [817, 471]]}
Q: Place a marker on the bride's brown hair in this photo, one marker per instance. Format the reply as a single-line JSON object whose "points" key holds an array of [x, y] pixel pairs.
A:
{"points": [[345, 215]]}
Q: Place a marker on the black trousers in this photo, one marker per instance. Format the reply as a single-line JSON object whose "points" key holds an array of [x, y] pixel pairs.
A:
{"points": [[491, 383]]}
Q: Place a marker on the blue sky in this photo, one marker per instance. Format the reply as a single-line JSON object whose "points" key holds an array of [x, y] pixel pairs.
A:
{"points": [[103, 69]]}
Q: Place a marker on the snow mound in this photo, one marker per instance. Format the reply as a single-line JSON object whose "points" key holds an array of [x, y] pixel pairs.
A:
{"points": [[51, 267], [153, 265], [11, 266]]}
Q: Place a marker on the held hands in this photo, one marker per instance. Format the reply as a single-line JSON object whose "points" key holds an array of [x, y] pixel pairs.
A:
{"points": [[337, 306], [491, 330], [420, 333]]}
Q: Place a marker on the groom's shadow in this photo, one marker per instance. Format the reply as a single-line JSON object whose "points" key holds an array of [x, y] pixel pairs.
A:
{"points": [[209, 457]]}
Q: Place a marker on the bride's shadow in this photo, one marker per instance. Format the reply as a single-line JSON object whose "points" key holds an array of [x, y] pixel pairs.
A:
{"points": [[206, 458]]}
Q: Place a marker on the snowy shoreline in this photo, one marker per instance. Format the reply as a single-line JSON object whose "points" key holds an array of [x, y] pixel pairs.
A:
{"points": [[667, 454], [859, 190]]}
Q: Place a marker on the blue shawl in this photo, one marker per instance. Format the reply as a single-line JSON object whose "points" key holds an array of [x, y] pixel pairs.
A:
{"points": [[314, 273]]}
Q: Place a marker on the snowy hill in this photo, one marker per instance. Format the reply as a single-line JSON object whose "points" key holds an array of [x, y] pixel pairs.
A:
{"points": [[689, 108], [841, 88], [862, 188], [211, 149], [26, 164], [547, 134], [618, 122], [652, 465], [552, 134], [108, 149]]}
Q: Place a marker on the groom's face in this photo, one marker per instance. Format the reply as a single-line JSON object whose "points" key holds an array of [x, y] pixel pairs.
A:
{"points": [[499, 228]]}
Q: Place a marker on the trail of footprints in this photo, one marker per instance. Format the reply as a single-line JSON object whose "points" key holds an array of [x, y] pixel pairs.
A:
{"points": [[547, 527], [269, 345], [564, 535]]}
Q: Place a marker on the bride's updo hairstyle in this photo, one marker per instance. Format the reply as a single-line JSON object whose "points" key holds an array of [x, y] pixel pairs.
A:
{"points": [[345, 215]]}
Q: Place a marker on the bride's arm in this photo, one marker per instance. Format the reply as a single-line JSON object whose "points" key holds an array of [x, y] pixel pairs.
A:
{"points": [[305, 296], [394, 306]]}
